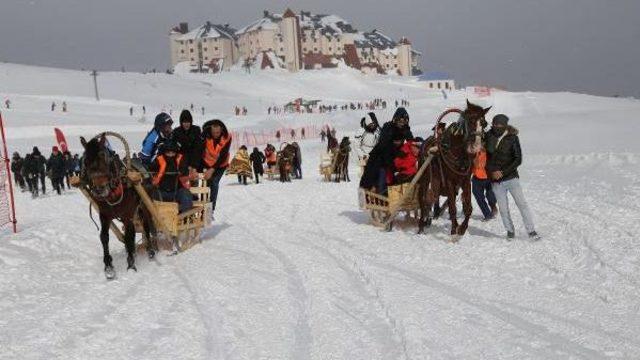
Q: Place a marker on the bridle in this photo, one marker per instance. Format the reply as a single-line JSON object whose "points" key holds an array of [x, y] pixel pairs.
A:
{"points": [[114, 177], [448, 159]]}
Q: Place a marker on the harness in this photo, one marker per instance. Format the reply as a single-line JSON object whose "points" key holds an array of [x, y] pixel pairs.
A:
{"points": [[450, 161]]}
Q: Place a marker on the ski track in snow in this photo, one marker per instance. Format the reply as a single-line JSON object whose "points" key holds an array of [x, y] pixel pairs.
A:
{"points": [[295, 271]]}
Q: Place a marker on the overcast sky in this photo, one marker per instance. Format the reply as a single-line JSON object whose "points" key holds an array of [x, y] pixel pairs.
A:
{"points": [[590, 46]]}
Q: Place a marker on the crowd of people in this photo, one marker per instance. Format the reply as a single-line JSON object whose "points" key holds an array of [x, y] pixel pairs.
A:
{"points": [[29, 173], [375, 104], [391, 153]]}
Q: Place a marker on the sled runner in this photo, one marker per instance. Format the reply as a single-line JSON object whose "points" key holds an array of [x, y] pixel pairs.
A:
{"points": [[327, 164]]}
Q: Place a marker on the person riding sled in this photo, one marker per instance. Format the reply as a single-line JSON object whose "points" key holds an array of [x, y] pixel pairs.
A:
{"points": [[189, 138], [215, 156], [369, 137], [383, 153], [171, 177], [160, 133], [406, 162]]}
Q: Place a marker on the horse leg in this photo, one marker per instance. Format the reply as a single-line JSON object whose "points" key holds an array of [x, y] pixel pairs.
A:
{"points": [[425, 199], [453, 211], [130, 244], [147, 225], [466, 207], [109, 271]]}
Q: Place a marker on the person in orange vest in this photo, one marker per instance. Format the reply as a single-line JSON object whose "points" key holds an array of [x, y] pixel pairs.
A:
{"points": [[481, 186], [271, 156], [171, 176], [215, 157]]}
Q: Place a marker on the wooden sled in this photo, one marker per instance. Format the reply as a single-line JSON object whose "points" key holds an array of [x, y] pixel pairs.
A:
{"points": [[184, 229], [326, 165], [383, 209]]}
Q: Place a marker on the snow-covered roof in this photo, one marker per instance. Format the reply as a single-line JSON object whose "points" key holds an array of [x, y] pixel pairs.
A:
{"points": [[374, 39], [209, 31], [269, 22]]}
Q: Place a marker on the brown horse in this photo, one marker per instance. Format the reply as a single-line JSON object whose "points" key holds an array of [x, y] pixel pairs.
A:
{"points": [[450, 169], [341, 163], [285, 161], [104, 176]]}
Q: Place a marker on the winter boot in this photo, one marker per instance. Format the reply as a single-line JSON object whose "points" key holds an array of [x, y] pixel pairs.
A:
{"points": [[533, 236]]}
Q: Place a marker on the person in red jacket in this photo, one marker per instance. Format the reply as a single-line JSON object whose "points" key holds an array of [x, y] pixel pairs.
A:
{"points": [[406, 162]]}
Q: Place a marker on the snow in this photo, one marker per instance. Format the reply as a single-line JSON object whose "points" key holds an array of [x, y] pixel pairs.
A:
{"points": [[295, 271]]}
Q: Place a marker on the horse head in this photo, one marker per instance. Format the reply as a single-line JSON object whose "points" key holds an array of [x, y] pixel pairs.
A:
{"points": [[473, 126], [99, 167]]}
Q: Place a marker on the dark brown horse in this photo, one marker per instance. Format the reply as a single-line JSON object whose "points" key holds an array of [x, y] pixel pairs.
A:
{"points": [[341, 163], [104, 176], [450, 169], [285, 161]]}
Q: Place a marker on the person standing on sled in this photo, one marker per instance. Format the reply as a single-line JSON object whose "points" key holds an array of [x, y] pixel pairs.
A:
{"points": [[215, 156], [369, 137], [189, 139], [257, 159], [503, 158], [160, 133], [382, 155], [171, 177]]}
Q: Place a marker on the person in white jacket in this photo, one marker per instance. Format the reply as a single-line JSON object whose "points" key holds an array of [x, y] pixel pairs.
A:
{"points": [[369, 137]]}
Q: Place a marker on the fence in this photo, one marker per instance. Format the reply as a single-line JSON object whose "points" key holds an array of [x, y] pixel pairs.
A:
{"points": [[287, 134], [7, 208]]}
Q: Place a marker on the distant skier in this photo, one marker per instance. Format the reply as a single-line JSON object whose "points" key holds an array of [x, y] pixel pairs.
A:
{"points": [[64, 106], [7, 103], [53, 106], [131, 111]]}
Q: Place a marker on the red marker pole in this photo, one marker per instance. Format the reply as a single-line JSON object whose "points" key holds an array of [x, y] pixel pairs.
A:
{"points": [[6, 163]]}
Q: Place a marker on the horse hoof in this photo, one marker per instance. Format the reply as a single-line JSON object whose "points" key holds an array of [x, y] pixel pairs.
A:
{"points": [[151, 254], [132, 267], [109, 272], [455, 238]]}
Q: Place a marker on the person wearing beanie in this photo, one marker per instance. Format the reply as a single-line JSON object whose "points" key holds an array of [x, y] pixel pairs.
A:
{"points": [[39, 169], [56, 170], [171, 176], [189, 137], [383, 154], [160, 133], [369, 137], [504, 156]]}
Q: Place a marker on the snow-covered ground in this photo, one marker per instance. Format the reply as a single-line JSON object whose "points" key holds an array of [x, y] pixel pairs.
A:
{"points": [[295, 271]]}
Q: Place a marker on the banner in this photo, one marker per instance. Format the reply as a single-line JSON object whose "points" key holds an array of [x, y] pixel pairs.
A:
{"points": [[62, 142]]}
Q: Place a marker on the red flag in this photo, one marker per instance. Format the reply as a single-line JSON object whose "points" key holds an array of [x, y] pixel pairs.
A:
{"points": [[62, 142]]}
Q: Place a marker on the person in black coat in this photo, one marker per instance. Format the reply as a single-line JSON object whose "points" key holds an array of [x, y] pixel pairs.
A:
{"points": [[17, 163], [189, 138], [56, 169], [69, 166], [382, 155], [39, 168], [257, 159], [504, 156]]}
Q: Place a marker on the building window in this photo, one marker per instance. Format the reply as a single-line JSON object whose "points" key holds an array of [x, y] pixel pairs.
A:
{"points": [[315, 49], [182, 51], [304, 49], [395, 65], [430, 85], [191, 50], [192, 59], [281, 49], [206, 58], [190, 41], [439, 87], [329, 48], [216, 48], [205, 49], [446, 85]]}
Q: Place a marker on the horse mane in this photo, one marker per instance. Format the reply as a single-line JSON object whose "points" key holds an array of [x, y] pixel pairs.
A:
{"points": [[92, 149]]}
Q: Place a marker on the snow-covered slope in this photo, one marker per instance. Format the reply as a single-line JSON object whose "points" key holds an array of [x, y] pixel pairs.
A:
{"points": [[295, 271]]}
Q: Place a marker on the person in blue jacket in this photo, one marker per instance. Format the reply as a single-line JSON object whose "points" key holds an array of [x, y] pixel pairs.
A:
{"points": [[160, 132]]}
